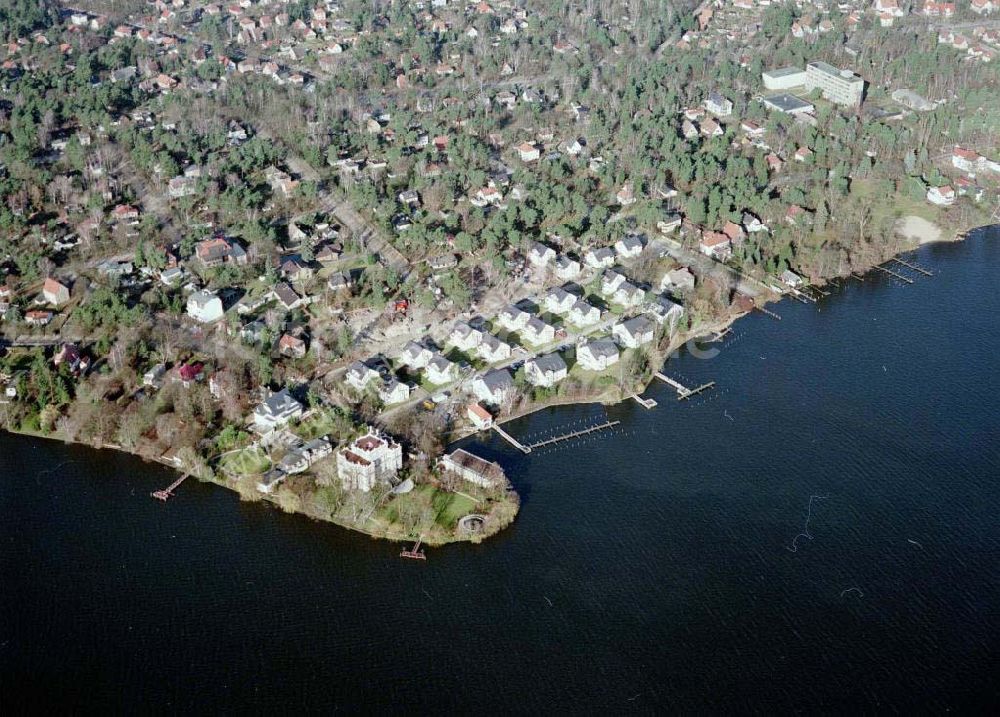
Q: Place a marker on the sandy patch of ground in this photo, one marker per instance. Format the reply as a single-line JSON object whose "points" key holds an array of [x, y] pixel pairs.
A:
{"points": [[919, 229]]}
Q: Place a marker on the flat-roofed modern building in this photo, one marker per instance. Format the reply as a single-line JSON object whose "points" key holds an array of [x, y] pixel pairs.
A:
{"points": [[843, 87], [789, 104], [784, 78]]}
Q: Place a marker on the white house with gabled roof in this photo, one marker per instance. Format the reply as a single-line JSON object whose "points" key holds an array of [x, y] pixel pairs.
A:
{"points": [[597, 355], [415, 356], [512, 318], [359, 375], [558, 300], [491, 349], [601, 258], [545, 370], [611, 280], [634, 333], [464, 338], [276, 410], [440, 371], [567, 268], [629, 247], [537, 333], [494, 388], [540, 255], [583, 314]]}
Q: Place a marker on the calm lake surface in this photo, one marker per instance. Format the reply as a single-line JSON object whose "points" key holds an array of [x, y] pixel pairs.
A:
{"points": [[650, 569]]}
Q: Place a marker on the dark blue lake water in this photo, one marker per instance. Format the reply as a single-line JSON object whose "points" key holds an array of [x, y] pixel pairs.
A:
{"points": [[650, 568]]}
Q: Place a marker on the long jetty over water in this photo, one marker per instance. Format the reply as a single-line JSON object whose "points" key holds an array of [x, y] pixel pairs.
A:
{"points": [[555, 439], [683, 392], [168, 492]]}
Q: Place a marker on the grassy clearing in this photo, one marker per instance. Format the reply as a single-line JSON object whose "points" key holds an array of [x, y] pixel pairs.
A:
{"points": [[248, 462]]}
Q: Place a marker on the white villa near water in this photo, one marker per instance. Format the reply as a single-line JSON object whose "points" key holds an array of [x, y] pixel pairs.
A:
{"points": [[545, 370], [368, 460], [634, 332], [494, 388], [276, 410], [472, 468], [597, 355], [665, 311]]}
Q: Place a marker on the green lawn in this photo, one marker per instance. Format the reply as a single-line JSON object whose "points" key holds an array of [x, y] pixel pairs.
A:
{"points": [[450, 507], [249, 461], [432, 505]]}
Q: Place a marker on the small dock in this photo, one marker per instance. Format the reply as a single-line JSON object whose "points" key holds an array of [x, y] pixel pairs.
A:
{"points": [[414, 553], [914, 267], [683, 392], [571, 435], [644, 402], [511, 440], [719, 335], [895, 275], [767, 312], [168, 492]]}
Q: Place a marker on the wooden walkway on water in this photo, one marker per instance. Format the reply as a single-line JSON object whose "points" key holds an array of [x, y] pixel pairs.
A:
{"points": [[683, 392], [894, 274], [555, 439], [168, 492], [916, 268], [572, 434]]}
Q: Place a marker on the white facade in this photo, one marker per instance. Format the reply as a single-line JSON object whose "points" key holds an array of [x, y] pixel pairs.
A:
{"points": [[276, 410], [415, 356], [546, 370], [784, 79], [492, 349], [368, 460], [536, 332], [494, 388], [440, 370], [634, 332], [204, 306], [584, 314], [597, 355]]}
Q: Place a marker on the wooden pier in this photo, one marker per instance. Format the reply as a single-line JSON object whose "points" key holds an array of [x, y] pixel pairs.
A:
{"points": [[890, 272], [415, 553], [644, 402], [768, 312], [683, 392], [719, 335], [511, 440], [912, 266], [571, 435], [168, 492]]}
